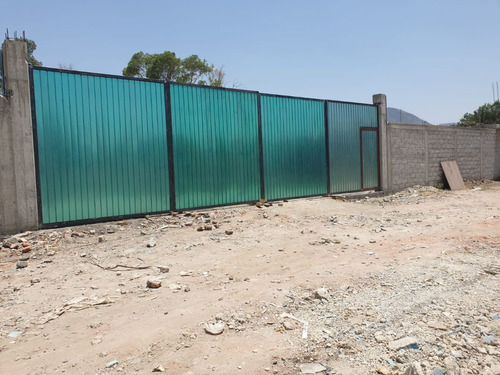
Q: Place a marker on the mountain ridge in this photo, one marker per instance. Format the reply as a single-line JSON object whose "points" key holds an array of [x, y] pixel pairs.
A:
{"points": [[395, 115]]}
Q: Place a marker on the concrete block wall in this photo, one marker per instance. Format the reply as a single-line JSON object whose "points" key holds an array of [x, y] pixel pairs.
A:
{"points": [[407, 163], [415, 153]]}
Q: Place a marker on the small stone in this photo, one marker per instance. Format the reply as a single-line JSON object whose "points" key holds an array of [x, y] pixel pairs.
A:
{"points": [[159, 368], [321, 294], [380, 338], [21, 264], [200, 229], [383, 370], [51, 253], [228, 232], [437, 325], [26, 249], [187, 289], [100, 239], [35, 281], [288, 326], [151, 242], [402, 343], [111, 364], [188, 224], [208, 227], [15, 334], [153, 284], [311, 368], [164, 269], [214, 328], [414, 369], [83, 255], [9, 242]]}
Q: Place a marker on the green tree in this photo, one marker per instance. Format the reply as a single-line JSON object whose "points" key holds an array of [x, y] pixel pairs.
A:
{"points": [[486, 114], [31, 47], [168, 67]]}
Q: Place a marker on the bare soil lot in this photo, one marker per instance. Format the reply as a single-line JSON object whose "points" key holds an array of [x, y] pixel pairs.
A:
{"points": [[327, 281]]}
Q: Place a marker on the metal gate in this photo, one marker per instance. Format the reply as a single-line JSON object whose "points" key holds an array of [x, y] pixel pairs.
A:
{"points": [[111, 146]]}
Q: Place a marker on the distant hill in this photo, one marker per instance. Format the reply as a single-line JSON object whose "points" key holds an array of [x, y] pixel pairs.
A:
{"points": [[400, 116]]}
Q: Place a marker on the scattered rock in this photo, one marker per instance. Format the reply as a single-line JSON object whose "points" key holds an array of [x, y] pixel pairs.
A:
{"points": [[35, 281], [21, 264], [414, 369], [164, 269], [437, 325], [111, 364], [151, 242], [228, 232], [402, 343], [214, 328], [153, 284], [321, 294], [15, 334], [7, 243], [311, 368], [383, 370], [288, 325], [159, 368]]}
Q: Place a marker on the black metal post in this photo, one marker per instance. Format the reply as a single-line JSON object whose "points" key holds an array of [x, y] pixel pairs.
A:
{"points": [[261, 151], [327, 149], [170, 146]]}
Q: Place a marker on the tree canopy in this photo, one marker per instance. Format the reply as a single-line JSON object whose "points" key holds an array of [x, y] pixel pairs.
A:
{"points": [[486, 114], [167, 66]]}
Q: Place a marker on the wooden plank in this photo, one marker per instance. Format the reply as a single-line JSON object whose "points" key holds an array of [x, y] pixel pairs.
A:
{"points": [[453, 175]]}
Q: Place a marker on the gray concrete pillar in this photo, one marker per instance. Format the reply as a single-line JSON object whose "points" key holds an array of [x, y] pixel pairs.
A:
{"points": [[18, 191], [381, 101]]}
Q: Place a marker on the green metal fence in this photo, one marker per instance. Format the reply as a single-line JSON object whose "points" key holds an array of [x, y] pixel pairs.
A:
{"points": [[216, 146], [102, 146], [110, 146], [345, 121], [293, 132]]}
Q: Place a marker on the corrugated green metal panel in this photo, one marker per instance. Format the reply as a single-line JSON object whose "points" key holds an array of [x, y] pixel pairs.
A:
{"points": [[293, 132], [216, 146], [370, 161], [102, 146], [344, 123]]}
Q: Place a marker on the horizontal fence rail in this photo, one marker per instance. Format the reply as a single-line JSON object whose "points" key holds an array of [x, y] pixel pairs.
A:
{"points": [[111, 146]]}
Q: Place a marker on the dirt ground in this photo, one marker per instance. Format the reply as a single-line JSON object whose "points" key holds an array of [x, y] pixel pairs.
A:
{"points": [[330, 282]]}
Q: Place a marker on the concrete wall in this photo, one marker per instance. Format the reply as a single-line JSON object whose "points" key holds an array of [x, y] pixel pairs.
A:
{"points": [[415, 153], [18, 194]]}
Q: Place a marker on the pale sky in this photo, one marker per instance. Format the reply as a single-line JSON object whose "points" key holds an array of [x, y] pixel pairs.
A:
{"points": [[434, 58]]}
